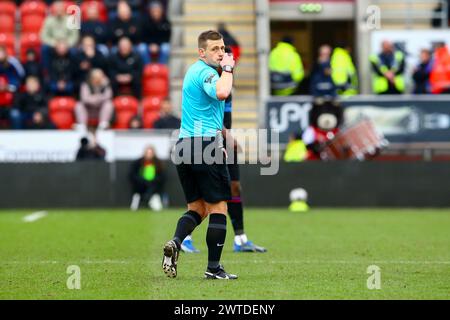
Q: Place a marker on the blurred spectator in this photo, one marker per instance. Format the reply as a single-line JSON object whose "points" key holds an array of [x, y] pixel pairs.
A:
{"points": [[322, 84], [94, 27], [126, 68], [32, 66], [156, 31], [27, 103], [440, 72], [421, 75], [125, 25], [11, 73], [88, 58], [95, 100], [164, 3], [343, 72], [61, 70], [90, 150], [296, 149], [136, 123], [112, 5], [40, 121], [147, 177], [230, 41], [11, 70], [388, 68], [167, 120], [286, 68], [55, 30]]}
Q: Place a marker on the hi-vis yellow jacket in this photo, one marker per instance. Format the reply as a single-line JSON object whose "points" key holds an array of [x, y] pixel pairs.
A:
{"points": [[285, 60], [343, 72]]}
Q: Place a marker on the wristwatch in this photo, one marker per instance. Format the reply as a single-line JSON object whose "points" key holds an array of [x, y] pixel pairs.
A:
{"points": [[227, 68]]}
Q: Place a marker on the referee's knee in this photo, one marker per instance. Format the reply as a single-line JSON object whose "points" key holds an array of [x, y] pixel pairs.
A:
{"points": [[218, 207], [199, 207]]}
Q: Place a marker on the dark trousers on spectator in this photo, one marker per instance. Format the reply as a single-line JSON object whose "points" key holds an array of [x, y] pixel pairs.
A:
{"points": [[19, 119], [5, 116], [67, 91], [135, 88], [147, 189]]}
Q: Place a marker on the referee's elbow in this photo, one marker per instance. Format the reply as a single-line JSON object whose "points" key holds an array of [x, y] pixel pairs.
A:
{"points": [[222, 94]]}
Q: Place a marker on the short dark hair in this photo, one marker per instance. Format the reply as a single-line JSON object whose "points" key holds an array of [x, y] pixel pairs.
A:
{"points": [[208, 35]]}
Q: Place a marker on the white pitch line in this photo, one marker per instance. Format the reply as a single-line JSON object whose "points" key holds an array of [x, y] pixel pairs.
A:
{"points": [[234, 262], [34, 216]]}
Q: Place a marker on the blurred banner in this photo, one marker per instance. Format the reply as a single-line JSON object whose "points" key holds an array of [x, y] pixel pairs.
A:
{"points": [[404, 119], [62, 146]]}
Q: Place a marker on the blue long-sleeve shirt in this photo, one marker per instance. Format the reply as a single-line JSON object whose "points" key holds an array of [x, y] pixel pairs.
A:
{"points": [[13, 71]]}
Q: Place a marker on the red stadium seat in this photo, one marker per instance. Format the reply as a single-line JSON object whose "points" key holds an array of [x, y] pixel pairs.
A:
{"points": [[126, 107], [29, 41], [156, 80], [32, 23], [151, 104], [34, 8], [151, 107], [7, 40], [156, 88], [7, 24], [8, 8], [156, 70], [61, 112], [6, 98], [149, 118], [103, 12]]}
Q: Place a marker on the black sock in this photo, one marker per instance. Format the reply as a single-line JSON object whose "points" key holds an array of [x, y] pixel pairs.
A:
{"points": [[237, 215], [186, 224], [215, 238]]}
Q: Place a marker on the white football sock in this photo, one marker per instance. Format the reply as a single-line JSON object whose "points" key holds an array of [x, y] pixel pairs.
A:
{"points": [[188, 237], [237, 240], [244, 238]]}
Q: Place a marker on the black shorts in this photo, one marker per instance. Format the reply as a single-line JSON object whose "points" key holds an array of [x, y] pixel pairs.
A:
{"points": [[205, 180]]}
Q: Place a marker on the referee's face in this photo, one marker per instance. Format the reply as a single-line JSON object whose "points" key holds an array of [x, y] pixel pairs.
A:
{"points": [[214, 52]]}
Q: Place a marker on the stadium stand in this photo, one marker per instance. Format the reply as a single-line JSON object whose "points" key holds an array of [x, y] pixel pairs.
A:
{"points": [[196, 16], [22, 21], [20, 33]]}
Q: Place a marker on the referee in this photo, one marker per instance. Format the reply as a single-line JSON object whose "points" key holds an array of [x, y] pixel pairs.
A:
{"points": [[206, 184]]}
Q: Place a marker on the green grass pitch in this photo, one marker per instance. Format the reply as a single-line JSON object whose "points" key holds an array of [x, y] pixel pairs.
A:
{"points": [[322, 254]]}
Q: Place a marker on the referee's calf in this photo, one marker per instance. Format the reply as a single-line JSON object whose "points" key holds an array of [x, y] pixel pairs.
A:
{"points": [[206, 184]]}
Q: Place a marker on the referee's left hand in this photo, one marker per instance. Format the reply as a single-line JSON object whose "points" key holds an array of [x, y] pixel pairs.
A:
{"points": [[227, 60]]}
